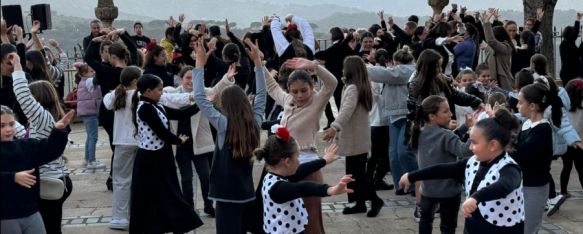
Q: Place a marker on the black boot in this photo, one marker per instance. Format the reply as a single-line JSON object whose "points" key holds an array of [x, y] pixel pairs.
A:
{"points": [[109, 184], [380, 184], [358, 208], [375, 207]]}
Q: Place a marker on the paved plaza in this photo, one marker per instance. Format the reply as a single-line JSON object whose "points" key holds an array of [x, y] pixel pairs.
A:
{"points": [[88, 209]]}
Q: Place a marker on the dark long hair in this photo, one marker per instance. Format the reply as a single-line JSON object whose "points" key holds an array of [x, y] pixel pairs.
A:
{"points": [[575, 90], [540, 94], [145, 82], [40, 70], [128, 75], [355, 72], [502, 36], [45, 93], [120, 51], [430, 105], [242, 130], [152, 53], [429, 80]]}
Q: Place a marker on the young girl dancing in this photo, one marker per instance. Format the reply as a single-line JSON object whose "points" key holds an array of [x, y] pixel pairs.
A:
{"points": [[237, 124], [492, 179], [283, 208]]}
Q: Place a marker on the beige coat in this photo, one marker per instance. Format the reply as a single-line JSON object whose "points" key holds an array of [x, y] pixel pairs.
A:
{"points": [[201, 132], [500, 59], [303, 122], [351, 124]]}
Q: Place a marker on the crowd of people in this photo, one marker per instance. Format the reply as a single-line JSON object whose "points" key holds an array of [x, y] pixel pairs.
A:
{"points": [[460, 106]]}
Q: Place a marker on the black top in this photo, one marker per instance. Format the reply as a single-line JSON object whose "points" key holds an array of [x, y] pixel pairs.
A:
{"points": [[162, 72], [21, 155], [231, 178], [534, 153], [148, 114], [571, 56], [284, 191], [509, 181], [141, 41]]}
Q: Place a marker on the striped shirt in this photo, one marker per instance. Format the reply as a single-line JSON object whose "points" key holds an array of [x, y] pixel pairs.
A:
{"points": [[40, 120]]}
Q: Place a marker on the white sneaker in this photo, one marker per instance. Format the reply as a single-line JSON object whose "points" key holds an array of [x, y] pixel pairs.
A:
{"points": [[119, 224], [555, 203], [95, 165]]}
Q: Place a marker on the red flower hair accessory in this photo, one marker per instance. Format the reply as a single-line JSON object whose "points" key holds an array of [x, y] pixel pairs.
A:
{"points": [[281, 132], [578, 84], [292, 27], [151, 45]]}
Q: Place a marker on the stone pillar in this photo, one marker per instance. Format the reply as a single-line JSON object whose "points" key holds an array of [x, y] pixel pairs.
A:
{"points": [[437, 5], [106, 12]]}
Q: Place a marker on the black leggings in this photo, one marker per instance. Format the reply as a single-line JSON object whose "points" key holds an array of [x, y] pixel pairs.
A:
{"points": [[363, 190], [378, 164], [449, 210], [573, 156], [52, 210], [184, 157]]}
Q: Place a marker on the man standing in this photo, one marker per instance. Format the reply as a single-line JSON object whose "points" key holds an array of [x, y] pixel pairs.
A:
{"points": [[139, 38], [95, 32]]}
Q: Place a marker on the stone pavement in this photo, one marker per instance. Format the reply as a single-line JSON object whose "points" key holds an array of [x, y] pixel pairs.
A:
{"points": [[88, 209]]}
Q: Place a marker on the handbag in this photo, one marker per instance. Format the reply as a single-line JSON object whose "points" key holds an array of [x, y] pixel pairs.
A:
{"points": [[51, 188]]}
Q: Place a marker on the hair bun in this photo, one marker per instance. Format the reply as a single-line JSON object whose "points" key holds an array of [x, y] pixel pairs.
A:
{"points": [[406, 49], [505, 119], [260, 153]]}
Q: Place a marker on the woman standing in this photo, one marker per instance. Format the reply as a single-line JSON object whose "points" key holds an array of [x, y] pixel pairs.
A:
{"points": [[353, 129], [500, 59]]}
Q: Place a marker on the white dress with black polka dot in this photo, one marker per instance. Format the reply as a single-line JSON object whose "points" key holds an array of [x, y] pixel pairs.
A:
{"points": [[288, 217], [504, 212], [147, 138]]}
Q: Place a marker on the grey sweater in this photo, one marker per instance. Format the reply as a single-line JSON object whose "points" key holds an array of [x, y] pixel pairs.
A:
{"points": [[438, 145]]}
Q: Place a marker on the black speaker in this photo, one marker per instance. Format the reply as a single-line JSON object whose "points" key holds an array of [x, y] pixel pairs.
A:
{"points": [[12, 14], [42, 13]]}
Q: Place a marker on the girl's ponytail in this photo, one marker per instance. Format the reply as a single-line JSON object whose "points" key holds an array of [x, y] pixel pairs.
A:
{"points": [[430, 105], [120, 97]]}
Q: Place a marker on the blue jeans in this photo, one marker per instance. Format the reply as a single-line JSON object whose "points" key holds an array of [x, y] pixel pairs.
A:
{"points": [[91, 127], [401, 157]]}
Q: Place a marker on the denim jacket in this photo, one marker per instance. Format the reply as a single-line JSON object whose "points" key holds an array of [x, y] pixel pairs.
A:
{"points": [[565, 135], [395, 91]]}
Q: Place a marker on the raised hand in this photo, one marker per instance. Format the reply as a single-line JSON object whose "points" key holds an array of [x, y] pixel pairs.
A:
{"points": [[452, 124], [464, 9], [53, 43], [181, 18], [200, 53], [381, 15], [300, 63], [485, 17], [254, 52], [19, 33], [340, 188], [330, 153], [469, 207], [390, 21], [579, 16], [64, 122], [227, 28], [171, 22], [539, 14], [266, 21], [232, 72], [35, 27], [25, 178], [288, 17], [15, 60], [3, 29]]}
